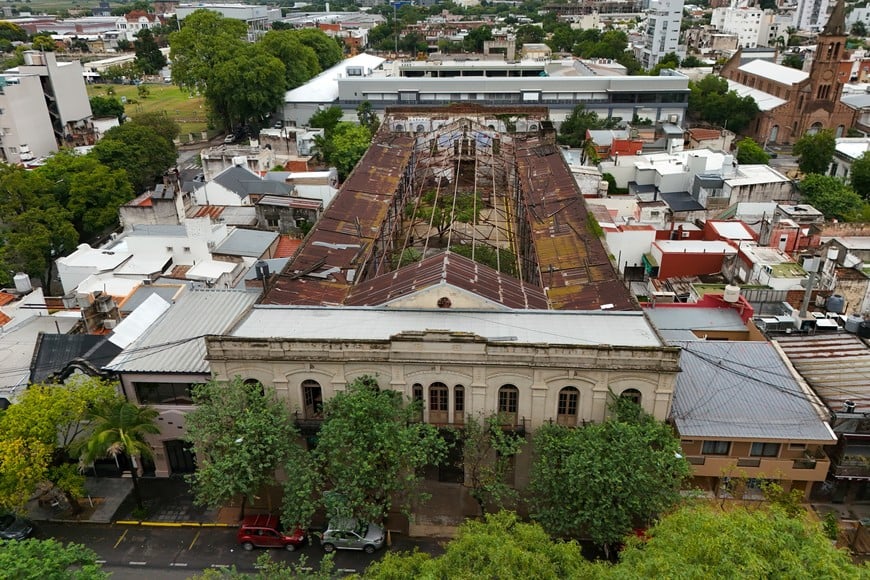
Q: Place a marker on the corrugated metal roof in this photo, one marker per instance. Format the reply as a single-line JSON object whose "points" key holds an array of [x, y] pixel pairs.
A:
{"points": [[572, 261], [733, 390], [174, 343], [837, 367], [453, 269]]}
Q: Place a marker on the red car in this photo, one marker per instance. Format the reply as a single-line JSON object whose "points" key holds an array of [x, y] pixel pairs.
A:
{"points": [[264, 531]]}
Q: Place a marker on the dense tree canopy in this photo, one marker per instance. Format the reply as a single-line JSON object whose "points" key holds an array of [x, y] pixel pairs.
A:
{"points": [[440, 209], [263, 78], [706, 542], [106, 107], [326, 119], [859, 176], [49, 559], [712, 102], [572, 132], [36, 228], [37, 434], [829, 195], [749, 152], [149, 59], [300, 60], [815, 152], [241, 434], [573, 490], [329, 52], [370, 449], [206, 40], [139, 150], [344, 146], [161, 123]]}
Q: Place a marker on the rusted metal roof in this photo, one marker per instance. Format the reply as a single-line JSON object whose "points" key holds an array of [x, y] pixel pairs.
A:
{"points": [[341, 243], [452, 269], [572, 261], [212, 211], [836, 366]]}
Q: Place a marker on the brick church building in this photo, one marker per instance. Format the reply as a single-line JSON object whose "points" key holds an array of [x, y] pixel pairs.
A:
{"points": [[795, 102]]}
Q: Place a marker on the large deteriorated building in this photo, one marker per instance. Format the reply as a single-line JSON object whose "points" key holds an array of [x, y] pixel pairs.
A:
{"points": [[456, 265], [480, 196]]}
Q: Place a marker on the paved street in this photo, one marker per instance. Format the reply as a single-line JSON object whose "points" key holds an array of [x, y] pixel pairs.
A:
{"points": [[132, 551]]}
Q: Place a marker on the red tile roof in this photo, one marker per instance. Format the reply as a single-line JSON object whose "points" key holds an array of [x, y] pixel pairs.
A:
{"points": [[287, 246], [6, 298], [4, 318], [704, 134]]}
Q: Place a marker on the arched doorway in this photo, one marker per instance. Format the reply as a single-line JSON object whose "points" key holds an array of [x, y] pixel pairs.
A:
{"points": [[438, 405], [312, 398], [566, 411]]}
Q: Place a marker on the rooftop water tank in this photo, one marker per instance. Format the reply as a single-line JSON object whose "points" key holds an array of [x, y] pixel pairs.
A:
{"points": [[22, 283], [732, 294], [853, 322], [836, 303]]}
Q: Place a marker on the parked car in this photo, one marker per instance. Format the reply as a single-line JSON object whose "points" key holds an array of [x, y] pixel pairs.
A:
{"points": [[13, 527], [230, 138], [278, 124], [264, 531], [351, 534]]}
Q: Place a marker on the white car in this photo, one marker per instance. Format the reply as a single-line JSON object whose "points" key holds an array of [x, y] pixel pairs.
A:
{"points": [[351, 534]]}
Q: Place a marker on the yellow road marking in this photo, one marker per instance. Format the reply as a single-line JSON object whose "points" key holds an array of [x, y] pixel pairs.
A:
{"points": [[190, 547], [121, 539]]}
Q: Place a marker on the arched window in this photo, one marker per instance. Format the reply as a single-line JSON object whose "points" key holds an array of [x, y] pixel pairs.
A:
{"points": [[815, 128], [400, 128], [438, 405], [459, 404], [774, 133], [254, 385], [420, 128], [840, 130], [312, 399], [566, 412], [632, 395], [508, 400]]}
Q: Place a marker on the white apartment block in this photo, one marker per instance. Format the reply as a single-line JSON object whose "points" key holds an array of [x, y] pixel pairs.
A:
{"points": [[42, 103], [662, 31], [752, 26], [811, 15]]}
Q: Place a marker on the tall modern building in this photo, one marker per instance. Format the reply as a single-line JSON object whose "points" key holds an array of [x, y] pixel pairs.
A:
{"points": [[811, 15], [43, 105], [662, 31]]}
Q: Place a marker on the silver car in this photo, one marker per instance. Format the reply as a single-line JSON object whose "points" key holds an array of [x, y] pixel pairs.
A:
{"points": [[350, 534]]}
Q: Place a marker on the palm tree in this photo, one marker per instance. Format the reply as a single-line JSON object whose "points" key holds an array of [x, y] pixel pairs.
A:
{"points": [[118, 428]]}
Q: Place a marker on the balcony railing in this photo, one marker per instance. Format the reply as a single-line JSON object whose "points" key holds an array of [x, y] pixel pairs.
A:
{"points": [[852, 468]]}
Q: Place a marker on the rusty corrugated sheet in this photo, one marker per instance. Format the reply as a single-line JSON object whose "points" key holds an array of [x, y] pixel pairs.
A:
{"points": [[573, 262]]}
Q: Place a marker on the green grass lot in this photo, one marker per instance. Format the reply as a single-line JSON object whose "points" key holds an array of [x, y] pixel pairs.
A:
{"points": [[189, 112]]}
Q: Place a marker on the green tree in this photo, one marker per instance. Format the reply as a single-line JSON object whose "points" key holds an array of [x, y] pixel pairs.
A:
{"points": [[160, 123], [142, 152], [370, 449], [300, 60], [487, 452], [440, 209], [329, 52], [815, 152], [712, 102], [106, 107], [39, 431], [669, 61], [705, 542], [750, 153], [500, 259], [692, 61], [858, 29], [529, 34], [240, 434], [473, 41], [149, 59], [829, 195], [264, 81], [49, 558], [602, 480], [119, 429], [206, 40], [572, 132], [500, 546], [859, 176], [269, 569], [35, 228], [794, 60], [89, 190], [12, 32], [367, 117], [44, 43], [326, 119], [348, 143]]}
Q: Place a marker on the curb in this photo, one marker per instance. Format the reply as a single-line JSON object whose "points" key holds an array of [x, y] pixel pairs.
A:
{"points": [[173, 524], [63, 521]]}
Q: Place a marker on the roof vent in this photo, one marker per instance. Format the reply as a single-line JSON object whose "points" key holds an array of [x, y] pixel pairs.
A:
{"points": [[848, 407], [444, 302]]}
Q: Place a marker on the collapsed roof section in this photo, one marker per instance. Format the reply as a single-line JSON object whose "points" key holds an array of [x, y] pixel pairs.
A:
{"points": [[491, 209]]}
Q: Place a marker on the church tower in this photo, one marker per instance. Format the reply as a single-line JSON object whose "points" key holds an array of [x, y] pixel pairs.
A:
{"points": [[830, 52]]}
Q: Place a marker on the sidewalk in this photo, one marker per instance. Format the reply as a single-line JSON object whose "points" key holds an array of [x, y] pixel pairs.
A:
{"points": [[104, 497], [166, 501]]}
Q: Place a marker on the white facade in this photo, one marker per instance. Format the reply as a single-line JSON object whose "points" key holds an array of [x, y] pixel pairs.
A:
{"points": [[66, 82], [25, 125], [750, 25], [662, 31], [811, 15]]}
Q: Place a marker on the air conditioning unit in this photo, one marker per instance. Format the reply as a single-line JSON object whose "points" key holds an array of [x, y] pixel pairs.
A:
{"points": [[110, 323], [673, 118]]}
